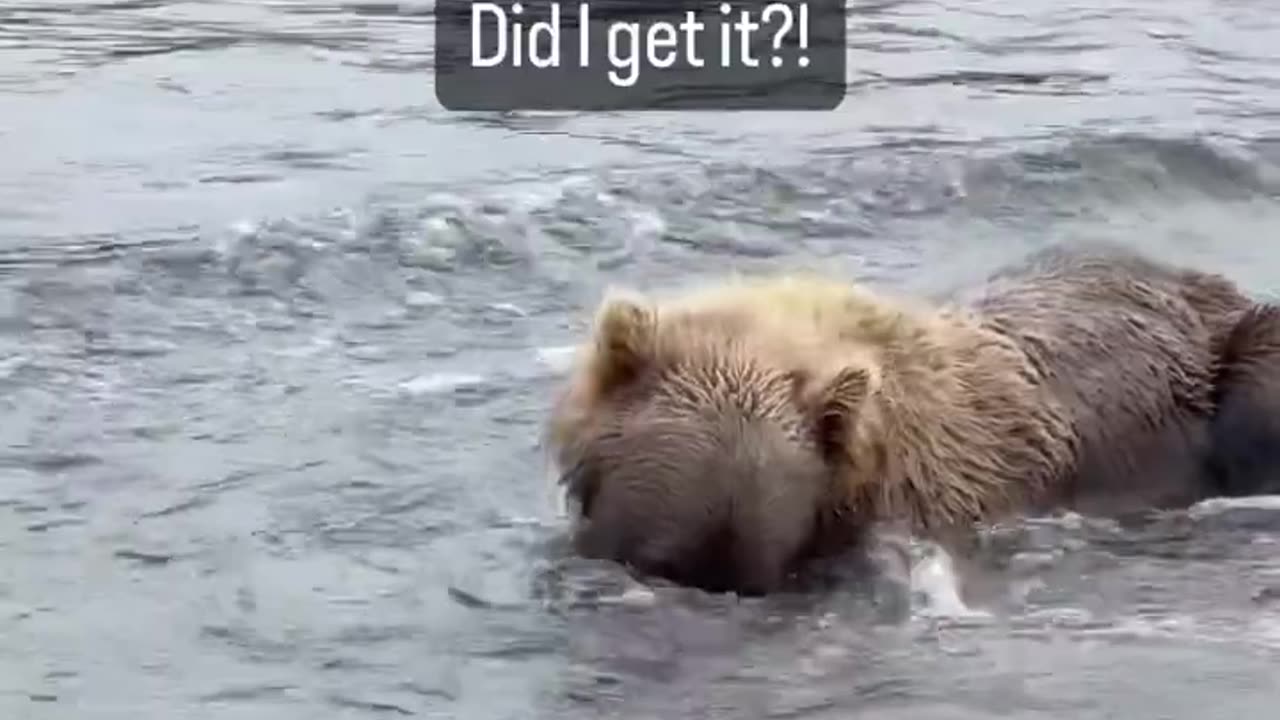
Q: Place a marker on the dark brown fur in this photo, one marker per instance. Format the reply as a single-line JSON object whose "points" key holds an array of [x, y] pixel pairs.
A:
{"points": [[1245, 459], [1130, 345]]}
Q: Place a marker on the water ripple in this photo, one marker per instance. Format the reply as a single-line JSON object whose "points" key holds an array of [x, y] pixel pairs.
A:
{"points": [[278, 335]]}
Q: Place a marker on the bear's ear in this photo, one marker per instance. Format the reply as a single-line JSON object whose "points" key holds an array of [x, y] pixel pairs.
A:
{"points": [[625, 333], [835, 405]]}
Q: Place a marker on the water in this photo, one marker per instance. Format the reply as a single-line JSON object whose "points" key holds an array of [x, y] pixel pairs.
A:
{"points": [[277, 334]]}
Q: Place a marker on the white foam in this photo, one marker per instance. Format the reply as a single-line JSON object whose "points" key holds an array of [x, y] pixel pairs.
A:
{"points": [[638, 596], [423, 299], [558, 359], [1261, 632], [509, 308], [1266, 631], [1218, 505], [434, 383], [648, 223], [925, 569], [11, 364], [935, 582]]}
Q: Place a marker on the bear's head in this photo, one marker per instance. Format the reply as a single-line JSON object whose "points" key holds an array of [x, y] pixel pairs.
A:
{"points": [[696, 451]]}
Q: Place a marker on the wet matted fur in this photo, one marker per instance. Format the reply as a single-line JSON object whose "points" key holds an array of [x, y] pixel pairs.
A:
{"points": [[723, 437], [1245, 455]]}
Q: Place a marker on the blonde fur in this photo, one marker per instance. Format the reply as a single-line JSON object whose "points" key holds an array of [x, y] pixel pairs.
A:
{"points": [[940, 420]]}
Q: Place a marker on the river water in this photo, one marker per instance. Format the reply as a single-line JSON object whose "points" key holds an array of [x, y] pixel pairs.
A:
{"points": [[278, 332]]}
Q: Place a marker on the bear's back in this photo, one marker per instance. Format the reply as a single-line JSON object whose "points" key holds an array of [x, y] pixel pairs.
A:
{"points": [[1129, 350]]}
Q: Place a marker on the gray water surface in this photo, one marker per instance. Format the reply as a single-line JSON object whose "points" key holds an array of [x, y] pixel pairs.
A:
{"points": [[278, 334]]}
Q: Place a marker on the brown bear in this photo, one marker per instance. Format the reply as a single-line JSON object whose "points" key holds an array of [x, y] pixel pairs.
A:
{"points": [[723, 438]]}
